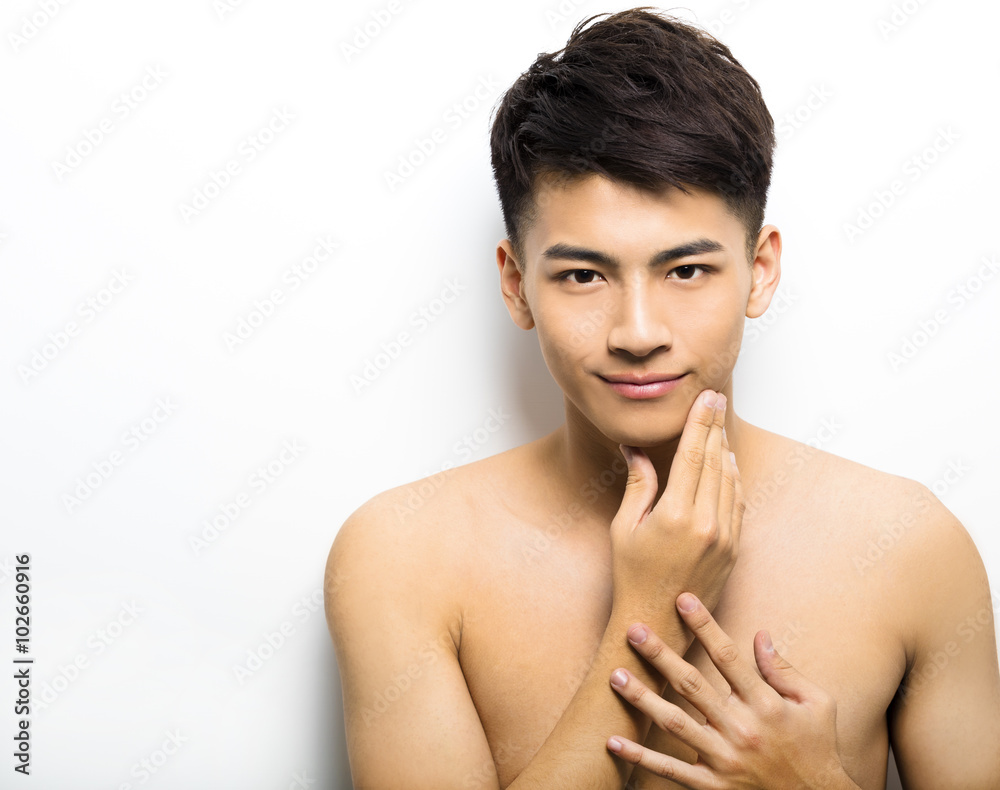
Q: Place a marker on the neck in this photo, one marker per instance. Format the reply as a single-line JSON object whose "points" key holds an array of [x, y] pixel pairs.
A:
{"points": [[593, 472]]}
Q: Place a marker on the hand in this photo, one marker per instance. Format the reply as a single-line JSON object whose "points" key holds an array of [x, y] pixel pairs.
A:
{"points": [[774, 735], [689, 540]]}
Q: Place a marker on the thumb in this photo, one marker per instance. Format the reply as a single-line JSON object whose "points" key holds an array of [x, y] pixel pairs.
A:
{"points": [[779, 674], [640, 490]]}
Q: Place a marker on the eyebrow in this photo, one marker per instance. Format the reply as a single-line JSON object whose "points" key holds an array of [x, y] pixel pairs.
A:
{"points": [[570, 252]]}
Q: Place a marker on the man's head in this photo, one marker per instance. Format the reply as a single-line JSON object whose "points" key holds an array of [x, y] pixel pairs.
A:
{"points": [[641, 98], [633, 175]]}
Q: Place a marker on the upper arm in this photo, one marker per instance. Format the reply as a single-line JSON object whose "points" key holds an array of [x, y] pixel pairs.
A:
{"points": [[945, 719], [410, 720]]}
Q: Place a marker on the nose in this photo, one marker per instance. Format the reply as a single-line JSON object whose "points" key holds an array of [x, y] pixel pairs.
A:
{"points": [[638, 322]]}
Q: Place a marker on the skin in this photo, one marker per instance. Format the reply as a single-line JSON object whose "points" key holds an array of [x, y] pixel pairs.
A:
{"points": [[480, 616]]}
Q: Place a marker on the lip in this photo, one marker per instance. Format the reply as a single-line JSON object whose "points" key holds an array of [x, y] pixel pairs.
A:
{"points": [[649, 385]]}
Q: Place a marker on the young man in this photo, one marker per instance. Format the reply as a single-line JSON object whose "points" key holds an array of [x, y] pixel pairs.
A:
{"points": [[552, 608]]}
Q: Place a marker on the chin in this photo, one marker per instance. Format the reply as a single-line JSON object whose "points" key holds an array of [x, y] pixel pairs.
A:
{"points": [[642, 436]]}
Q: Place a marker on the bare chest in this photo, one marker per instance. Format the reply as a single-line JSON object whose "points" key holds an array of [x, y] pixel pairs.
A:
{"points": [[543, 601]]}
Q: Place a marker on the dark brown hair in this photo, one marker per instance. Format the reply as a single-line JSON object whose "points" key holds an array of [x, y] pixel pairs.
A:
{"points": [[642, 98]]}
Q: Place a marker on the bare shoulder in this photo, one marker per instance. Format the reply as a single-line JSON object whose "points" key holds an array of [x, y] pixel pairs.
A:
{"points": [[870, 497], [424, 511], [425, 530], [895, 530]]}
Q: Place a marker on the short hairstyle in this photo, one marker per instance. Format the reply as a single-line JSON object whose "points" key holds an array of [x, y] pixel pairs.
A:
{"points": [[641, 98]]}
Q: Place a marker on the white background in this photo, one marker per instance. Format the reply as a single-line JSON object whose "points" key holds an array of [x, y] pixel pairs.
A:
{"points": [[171, 669]]}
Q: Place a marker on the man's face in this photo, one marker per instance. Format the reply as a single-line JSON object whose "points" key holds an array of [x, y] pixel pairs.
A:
{"points": [[622, 282]]}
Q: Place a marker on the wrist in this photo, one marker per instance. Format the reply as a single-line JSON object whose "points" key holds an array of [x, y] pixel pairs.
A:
{"points": [[667, 625]]}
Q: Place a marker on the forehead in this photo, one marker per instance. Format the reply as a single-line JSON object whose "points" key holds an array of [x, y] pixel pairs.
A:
{"points": [[602, 213]]}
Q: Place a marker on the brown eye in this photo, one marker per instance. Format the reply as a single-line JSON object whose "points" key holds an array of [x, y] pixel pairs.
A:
{"points": [[687, 271], [583, 276]]}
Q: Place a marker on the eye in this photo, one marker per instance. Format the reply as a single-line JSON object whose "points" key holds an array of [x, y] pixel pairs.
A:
{"points": [[584, 276], [687, 271]]}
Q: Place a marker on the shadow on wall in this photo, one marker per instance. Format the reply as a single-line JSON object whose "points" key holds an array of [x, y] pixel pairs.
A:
{"points": [[892, 781], [532, 391]]}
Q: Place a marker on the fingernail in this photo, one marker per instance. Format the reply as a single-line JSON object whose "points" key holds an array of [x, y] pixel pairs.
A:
{"points": [[720, 404], [627, 452], [619, 679], [733, 457], [724, 437], [687, 602], [766, 639], [637, 634], [709, 398], [615, 745]]}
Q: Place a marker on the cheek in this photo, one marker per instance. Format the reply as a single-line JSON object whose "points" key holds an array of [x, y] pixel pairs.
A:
{"points": [[555, 339], [567, 335], [721, 347]]}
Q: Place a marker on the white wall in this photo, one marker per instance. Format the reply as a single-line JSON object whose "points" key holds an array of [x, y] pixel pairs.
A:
{"points": [[213, 80]]}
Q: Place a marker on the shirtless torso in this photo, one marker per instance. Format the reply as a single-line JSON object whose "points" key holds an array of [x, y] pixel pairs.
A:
{"points": [[523, 599]]}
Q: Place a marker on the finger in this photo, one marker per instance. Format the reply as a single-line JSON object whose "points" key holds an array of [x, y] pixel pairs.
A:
{"points": [[640, 489], [689, 459], [694, 777], [706, 500], [779, 673], [682, 677], [734, 667], [727, 494], [739, 507], [664, 714]]}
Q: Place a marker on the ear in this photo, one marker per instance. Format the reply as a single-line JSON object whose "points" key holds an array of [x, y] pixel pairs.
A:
{"points": [[766, 271], [511, 286]]}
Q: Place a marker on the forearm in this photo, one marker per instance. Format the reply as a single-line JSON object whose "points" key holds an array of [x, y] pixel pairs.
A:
{"points": [[575, 754]]}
